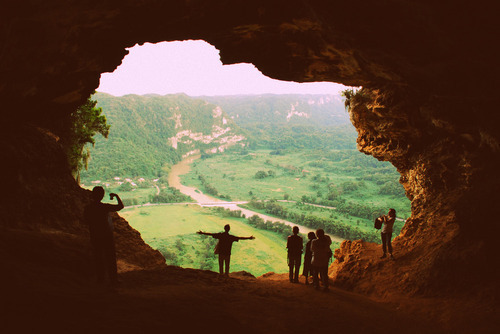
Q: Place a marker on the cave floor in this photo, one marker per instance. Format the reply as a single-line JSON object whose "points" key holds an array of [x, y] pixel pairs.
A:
{"points": [[44, 286], [191, 301]]}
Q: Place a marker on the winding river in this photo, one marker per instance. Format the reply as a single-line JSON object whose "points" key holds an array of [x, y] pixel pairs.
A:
{"points": [[183, 167]]}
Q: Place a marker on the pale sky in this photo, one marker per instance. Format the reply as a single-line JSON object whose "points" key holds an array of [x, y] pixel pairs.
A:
{"points": [[194, 68]]}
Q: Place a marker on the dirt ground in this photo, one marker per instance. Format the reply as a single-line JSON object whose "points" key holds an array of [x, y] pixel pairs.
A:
{"points": [[45, 286]]}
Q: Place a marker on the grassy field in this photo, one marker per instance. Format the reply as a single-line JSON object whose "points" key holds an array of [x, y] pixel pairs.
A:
{"points": [[303, 172], [172, 230]]}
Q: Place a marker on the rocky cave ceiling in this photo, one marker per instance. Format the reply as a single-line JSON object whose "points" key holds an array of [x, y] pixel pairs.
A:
{"points": [[53, 52]]}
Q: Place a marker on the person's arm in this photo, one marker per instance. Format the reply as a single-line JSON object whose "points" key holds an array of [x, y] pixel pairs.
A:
{"points": [[205, 233], [119, 206], [246, 238]]}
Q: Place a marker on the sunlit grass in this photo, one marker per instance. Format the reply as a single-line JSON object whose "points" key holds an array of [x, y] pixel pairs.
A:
{"points": [[172, 230]]}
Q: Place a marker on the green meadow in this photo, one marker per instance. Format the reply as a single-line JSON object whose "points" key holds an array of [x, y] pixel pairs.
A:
{"points": [[312, 176], [172, 230]]}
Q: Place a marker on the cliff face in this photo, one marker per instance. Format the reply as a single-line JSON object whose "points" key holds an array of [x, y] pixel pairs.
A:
{"points": [[429, 104], [447, 244]]}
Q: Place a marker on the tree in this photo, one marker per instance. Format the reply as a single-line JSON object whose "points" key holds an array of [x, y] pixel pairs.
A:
{"points": [[85, 123], [260, 174]]}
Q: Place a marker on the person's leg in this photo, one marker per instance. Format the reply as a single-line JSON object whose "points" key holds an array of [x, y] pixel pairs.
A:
{"points": [[290, 269], [389, 242], [100, 268], [227, 260], [315, 277], [384, 243], [221, 264], [324, 277], [297, 268], [111, 263]]}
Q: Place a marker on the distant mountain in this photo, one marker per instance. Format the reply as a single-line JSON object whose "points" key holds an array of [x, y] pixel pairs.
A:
{"points": [[280, 110], [148, 131], [292, 121]]}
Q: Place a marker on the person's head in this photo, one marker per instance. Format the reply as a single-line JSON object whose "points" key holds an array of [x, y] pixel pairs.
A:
{"points": [[392, 212], [320, 233], [97, 193], [295, 230], [227, 227], [311, 236]]}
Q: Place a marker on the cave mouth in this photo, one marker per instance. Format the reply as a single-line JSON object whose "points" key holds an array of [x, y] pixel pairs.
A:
{"points": [[151, 69]]}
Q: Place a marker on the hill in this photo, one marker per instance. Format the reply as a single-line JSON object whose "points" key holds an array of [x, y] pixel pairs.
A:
{"points": [[151, 130], [291, 121], [148, 131], [287, 109]]}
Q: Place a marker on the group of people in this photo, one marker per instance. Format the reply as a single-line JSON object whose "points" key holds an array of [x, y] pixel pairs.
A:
{"points": [[316, 258]]}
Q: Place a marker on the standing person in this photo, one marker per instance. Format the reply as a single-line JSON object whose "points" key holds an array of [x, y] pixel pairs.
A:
{"points": [[96, 215], [307, 271], [386, 232], [223, 247], [294, 245], [321, 256]]}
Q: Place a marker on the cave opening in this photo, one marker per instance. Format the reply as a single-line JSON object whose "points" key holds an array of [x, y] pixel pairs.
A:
{"points": [[194, 68]]}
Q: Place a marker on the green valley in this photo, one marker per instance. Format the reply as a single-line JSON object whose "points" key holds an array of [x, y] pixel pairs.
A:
{"points": [[172, 230], [290, 157]]}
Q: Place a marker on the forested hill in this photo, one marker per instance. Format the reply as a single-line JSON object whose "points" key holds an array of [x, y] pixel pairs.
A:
{"points": [[281, 110], [291, 121], [151, 130], [148, 131]]}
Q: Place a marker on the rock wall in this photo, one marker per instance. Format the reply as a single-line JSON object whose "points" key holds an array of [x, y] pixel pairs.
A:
{"points": [[429, 104], [43, 202], [447, 246]]}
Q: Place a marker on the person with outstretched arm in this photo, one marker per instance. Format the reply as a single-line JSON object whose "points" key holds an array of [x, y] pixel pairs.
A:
{"points": [[223, 247], [100, 224]]}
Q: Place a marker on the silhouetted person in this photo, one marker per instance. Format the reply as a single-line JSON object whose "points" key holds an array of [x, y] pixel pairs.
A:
{"points": [[224, 246], [386, 232], [294, 245], [321, 256], [101, 234], [308, 270]]}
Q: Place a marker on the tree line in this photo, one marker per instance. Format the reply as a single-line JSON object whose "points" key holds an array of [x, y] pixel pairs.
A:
{"points": [[331, 226]]}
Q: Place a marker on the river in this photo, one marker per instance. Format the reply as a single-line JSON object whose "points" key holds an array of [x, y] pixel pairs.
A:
{"points": [[183, 167]]}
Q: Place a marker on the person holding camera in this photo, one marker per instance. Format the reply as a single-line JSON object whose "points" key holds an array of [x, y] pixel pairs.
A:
{"points": [[100, 224], [386, 232]]}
